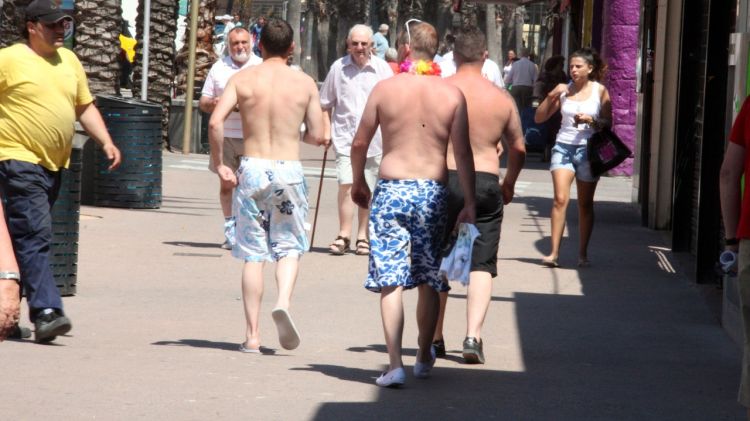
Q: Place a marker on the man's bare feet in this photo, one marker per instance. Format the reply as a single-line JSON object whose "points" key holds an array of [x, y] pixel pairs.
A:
{"points": [[251, 346]]}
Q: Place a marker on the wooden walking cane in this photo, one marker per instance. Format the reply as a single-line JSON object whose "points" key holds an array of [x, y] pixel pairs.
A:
{"points": [[317, 201]]}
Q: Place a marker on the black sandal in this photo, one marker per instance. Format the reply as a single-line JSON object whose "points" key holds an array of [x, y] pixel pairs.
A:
{"points": [[363, 247], [339, 248]]}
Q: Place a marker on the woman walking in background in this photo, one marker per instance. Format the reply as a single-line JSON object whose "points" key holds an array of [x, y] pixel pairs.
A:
{"points": [[509, 63], [585, 107], [552, 75]]}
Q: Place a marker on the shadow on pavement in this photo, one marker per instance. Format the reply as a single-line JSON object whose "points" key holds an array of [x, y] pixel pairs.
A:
{"points": [[622, 339], [203, 343], [193, 244], [344, 373]]}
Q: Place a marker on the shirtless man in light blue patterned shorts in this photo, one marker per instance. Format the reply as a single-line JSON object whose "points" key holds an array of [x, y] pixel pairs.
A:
{"points": [[408, 206], [270, 201]]}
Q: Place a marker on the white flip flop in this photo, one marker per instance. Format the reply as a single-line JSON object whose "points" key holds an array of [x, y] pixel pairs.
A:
{"points": [[248, 350], [288, 335]]}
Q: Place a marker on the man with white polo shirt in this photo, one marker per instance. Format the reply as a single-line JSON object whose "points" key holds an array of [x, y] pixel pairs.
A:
{"points": [[240, 56], [343, 97]]}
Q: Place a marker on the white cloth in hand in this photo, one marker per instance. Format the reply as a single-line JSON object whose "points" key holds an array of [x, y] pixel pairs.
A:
{"points": [[457, 264]]}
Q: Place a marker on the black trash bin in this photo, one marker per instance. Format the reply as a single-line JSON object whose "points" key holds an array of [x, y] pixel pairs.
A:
{"points": [[65, 217], [135, 127]]}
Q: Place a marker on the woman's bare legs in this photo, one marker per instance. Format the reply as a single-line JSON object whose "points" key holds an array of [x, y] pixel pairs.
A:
{"points": [[586, 192], [562, 179]]}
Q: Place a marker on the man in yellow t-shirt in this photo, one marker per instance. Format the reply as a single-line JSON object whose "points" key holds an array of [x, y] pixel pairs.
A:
{"points": [[43, 91]]}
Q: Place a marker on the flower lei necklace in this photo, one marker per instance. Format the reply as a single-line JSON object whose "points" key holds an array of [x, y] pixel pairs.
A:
{"points": [[421, 67]]}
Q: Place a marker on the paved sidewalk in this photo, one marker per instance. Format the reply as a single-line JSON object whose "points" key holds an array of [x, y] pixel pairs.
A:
{"points": [[158, 318]]}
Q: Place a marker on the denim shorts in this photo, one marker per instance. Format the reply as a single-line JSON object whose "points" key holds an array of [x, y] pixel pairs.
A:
{"points": [[573, 158]]}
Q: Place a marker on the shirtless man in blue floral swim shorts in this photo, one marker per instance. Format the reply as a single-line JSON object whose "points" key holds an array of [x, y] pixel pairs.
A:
{"points": [[418, 113], [270, 201]]}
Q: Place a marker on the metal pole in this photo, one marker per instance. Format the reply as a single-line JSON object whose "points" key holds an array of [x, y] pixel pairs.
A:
{"points": [[146, 35], [190, 77], [566, 37]]}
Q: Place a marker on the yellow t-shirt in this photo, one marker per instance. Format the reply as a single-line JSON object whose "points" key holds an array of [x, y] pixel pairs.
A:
{"points": [[128, 44], [38, 97]]}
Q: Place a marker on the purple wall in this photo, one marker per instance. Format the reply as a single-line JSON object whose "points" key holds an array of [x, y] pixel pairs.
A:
{"points": [[620, 50]]}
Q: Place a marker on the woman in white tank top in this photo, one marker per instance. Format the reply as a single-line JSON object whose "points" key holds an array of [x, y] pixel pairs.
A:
{"points": [[586, 108]]}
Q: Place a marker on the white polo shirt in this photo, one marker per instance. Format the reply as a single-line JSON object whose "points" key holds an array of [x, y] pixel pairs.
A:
{"points": [[217, 79], [490, 69], [346, 90]]}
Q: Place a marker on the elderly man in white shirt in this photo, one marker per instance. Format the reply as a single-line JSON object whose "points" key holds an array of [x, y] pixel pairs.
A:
{"points": [[240, 57], [490, 69], [343, 97]]}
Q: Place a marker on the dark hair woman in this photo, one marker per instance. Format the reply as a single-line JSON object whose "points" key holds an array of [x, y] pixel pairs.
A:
{"points": [[552, 74], [585, 107], [509, 63]]}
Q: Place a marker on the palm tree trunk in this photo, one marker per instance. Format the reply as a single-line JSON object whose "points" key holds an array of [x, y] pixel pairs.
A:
{"points": [[98, 26], [163, 29], [519, 15], [204, 50], [294, 15], [11, 21], [494, 38], [391, 7]]}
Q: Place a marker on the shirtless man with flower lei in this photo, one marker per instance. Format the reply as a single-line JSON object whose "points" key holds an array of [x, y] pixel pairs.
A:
{"points": [[418, 112]]}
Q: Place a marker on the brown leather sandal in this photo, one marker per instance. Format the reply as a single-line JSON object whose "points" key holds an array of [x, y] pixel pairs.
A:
{"points": [[363, 247], [339, 246]]}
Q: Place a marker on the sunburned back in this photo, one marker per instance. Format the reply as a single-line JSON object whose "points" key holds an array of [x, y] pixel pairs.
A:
{"points": [[273, 100], [415, 115], [489, 109]]}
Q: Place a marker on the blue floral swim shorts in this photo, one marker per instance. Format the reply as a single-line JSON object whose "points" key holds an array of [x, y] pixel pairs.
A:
{"points": [[270, 206], [403, 213]]}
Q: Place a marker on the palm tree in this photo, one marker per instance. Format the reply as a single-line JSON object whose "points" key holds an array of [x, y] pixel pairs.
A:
{"points": [[11, 19], [294, 15], [349, 14], [204, 51], [97, 45], [163, 30], [323, 11], [411, 9]]}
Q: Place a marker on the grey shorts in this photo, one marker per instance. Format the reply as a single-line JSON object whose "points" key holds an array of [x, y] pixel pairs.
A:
{"points": [[232, 154]]}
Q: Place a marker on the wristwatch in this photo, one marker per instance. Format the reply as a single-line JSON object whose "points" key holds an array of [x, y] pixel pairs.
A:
{"points": [[11, 275]]}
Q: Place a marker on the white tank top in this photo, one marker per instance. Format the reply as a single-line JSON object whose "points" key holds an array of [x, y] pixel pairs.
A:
{"points": [[569, 133]]}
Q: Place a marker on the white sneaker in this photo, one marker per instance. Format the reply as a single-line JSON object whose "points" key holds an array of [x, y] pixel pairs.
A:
{"points": [[229, 233], [393, 378], [422, 370]]}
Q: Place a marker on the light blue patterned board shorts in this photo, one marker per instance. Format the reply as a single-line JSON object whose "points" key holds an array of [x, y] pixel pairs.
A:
{"points": [[403, 213], [574, 158], [270, 205]]}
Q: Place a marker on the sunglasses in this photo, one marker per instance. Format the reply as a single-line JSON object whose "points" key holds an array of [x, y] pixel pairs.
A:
{"points": [[360, 43], [408, 33]]}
